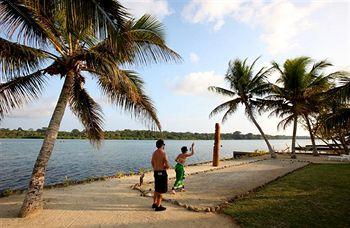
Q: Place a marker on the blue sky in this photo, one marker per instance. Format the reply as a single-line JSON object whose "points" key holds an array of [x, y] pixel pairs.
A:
{"points": [[207, 34]]}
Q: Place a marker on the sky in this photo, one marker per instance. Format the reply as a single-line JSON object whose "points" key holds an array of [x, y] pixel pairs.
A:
{"points": [[208, 34]]}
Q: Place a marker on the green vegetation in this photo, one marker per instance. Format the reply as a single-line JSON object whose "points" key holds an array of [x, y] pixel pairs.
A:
{"points": [[135, 134], [303, 93], [315, 196], [298, 93], [244, 88], [7, 192]]}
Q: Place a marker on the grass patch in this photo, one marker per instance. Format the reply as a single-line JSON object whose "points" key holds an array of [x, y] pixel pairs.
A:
{"points": [[315, 196]]}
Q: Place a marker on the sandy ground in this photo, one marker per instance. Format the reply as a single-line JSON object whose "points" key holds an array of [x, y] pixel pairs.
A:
{"points": [[112, 203]]}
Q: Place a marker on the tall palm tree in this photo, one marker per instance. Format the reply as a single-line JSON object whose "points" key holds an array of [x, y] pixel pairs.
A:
{"points": [[297, 93], [244, 87], [72, 40]]}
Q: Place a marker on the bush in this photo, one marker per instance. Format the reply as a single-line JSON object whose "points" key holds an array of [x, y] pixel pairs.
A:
{"points": [[7, 192]]}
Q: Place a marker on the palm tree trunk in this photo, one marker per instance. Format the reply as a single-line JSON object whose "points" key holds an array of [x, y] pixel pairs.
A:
{"points": [[343, 143], [312, 137], [325, 142], [271, 150], [33, 199], [293, 155], [336, 143]]}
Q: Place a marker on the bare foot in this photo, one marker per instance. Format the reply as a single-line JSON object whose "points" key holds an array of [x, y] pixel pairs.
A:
{"points": [[183, 190], [173, 192]]}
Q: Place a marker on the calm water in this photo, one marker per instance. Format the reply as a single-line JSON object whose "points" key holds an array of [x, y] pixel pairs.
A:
{"points": [[77, 159]]}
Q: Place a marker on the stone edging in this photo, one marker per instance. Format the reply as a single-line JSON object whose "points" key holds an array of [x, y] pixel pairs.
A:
{"points": [[220, 207]]}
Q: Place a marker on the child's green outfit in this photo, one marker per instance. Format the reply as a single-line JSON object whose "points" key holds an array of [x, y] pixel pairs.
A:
{"points": [[180, 176]]}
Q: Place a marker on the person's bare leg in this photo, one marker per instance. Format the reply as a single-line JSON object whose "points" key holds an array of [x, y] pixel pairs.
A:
{"points": [[159, 200], [155, 195]]}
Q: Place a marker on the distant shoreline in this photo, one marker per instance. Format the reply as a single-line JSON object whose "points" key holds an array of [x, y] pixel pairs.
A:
{"points": [[137, 135], [155, 139]]}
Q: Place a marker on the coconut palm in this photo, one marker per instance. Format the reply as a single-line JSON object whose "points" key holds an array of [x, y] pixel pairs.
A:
{"points": [[334, 122], [334, 118], [340, 94], [244, 87], [297, 93], [343, 90], [72, 40]]}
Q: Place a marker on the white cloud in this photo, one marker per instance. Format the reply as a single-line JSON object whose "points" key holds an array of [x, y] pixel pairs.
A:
{"points": [[196, 83], [281, 21], [199, 11], [194, 57], [158, 8], [32, 111]]}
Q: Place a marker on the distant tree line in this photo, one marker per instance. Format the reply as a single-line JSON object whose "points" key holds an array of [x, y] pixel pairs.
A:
{"points": [[133, 134]]}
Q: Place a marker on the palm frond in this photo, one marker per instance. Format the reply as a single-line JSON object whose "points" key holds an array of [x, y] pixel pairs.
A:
{"points": [[17, 59], [226, 105], [20, 90], [16, 18], [221, 91], [285, 122], [141, 42], [148, 36], [341, 92], [125, 89], [253, 64], [87, 110], [229, 112], [319, 66], [277, 67], [106, 18], [339, 119]]}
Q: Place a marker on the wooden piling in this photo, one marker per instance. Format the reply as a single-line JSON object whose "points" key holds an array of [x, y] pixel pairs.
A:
{"points": [[216, 149]]}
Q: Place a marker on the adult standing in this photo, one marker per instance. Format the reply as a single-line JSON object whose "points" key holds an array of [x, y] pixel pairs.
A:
{"points": [[160, 164]]}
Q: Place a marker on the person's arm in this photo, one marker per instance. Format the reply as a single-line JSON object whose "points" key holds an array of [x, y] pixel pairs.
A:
{"points": [[192, 150], [177, 158], [166, 162], [152, 162]]}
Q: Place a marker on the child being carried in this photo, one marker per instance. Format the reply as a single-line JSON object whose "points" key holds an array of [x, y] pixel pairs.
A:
{"points": [[179, 168]]}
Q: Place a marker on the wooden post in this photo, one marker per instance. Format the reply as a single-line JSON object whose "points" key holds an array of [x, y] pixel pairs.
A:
{"points": [[216, 145]]}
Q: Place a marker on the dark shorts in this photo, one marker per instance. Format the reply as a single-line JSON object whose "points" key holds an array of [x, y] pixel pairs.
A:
{"points": [[161, 181]]}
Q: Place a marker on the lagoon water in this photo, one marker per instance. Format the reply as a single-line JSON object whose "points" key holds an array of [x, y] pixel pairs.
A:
{"points": [[77, 159]]}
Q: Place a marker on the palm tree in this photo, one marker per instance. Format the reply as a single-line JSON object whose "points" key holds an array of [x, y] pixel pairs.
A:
{"points": [[335, 122], [244, 88], [334, 118], [297, 93], [343, 90], [340, 115], [72, 40]]}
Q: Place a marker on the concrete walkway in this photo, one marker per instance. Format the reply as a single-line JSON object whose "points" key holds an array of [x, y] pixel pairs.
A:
{"points": [[210, 189], [112, 203]]}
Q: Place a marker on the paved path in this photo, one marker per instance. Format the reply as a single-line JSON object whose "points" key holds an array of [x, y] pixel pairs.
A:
{"points": [[211, 189], [112, 203]]}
